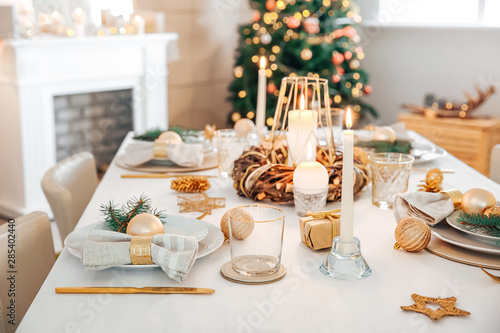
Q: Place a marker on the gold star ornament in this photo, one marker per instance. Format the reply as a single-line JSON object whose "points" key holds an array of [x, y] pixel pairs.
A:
{"points": [[447, 307], [199, 203]]}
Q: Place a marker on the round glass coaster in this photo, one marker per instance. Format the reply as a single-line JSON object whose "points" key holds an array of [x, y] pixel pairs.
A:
{"points": [[230, 274]]}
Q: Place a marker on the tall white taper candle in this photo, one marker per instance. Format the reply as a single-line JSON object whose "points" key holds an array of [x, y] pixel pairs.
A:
{"points": [[261, 98], [346, 234]]}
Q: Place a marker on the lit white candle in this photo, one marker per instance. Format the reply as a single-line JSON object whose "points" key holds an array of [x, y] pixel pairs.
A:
{"points": [[139, 24], [261, 98], [79, 22], [310, 177], [302, 126], [346, 234]]}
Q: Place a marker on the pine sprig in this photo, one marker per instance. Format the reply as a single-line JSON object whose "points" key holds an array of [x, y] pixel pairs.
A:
{"points": [[150, 135], [117, 218], [489, 225]]}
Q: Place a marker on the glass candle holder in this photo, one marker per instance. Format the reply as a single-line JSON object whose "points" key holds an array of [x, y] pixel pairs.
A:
{"points": [[309, 201]]}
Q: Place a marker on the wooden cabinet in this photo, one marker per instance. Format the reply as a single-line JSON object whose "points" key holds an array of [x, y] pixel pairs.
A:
{"points": [[470, 140]]}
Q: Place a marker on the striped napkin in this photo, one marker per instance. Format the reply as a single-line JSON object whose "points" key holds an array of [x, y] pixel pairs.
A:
{"points": [[173, 253], [430, 207]]}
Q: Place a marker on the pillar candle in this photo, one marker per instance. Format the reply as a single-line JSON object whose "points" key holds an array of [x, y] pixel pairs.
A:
{"points": [[79, 22], [302, 126], [139, 25], [346, 220], [261, 98]]}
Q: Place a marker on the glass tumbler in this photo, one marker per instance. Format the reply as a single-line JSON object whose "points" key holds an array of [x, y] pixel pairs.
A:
{"points": [[230, 146], [390, 173], [256, 239]]}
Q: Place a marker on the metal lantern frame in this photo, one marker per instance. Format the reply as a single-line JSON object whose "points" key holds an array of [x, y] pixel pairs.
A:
{"points": [[317, 98]]}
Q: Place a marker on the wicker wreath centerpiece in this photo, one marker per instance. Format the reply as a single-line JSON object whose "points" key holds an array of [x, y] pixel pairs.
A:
{"points": [[265, 172], [260, 177]]}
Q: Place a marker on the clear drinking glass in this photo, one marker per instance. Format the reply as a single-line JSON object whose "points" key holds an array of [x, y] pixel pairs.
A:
{"points": [[390, 173], [256, 239], [337, 121], [230, 146]]}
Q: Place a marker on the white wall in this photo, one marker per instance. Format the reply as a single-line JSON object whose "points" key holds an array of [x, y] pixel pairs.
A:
{"points": [[198, 83], [405, 63]]}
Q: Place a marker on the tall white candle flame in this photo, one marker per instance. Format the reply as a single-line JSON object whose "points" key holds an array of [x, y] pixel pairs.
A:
{"points": [[262, 62], [348, 118], [301, 102]]}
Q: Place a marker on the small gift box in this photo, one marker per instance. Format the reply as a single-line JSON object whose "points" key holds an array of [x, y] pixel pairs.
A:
{"points": [[317, 230]]}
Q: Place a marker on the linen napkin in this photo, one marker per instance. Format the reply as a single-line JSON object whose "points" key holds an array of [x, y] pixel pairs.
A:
{"points": [[430, 207], [182, 154], [173, 253]]}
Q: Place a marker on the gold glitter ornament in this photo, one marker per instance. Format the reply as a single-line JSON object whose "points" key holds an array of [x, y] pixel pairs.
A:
{"points": [[145, 224], [477, 200], [412, 234], [240, 230], [492, 211]]}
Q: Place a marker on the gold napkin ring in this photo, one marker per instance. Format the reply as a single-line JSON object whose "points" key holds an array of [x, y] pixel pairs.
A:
{"points": [[160, 148], [140, 250], [456, 196]]}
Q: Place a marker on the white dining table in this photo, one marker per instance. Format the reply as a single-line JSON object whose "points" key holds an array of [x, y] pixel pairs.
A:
{"points": [[304, 301]]}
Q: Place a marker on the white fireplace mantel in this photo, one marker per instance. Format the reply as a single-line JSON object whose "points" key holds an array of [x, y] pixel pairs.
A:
{"points": [[32, 72]]}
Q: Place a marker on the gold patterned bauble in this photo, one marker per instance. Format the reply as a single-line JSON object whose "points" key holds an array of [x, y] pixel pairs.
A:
{"points": [[477, 200], [306, 54], [145, 225], [240, 230], [412, 234], [492, 211]]}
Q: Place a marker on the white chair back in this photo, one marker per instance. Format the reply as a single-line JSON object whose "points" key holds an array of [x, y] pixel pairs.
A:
{"points": [[495, 163], [34, 258], [68, 187]]}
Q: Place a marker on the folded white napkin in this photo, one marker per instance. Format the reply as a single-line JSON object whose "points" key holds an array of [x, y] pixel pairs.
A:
{"points": [[430, 207], [173, 253], [183, 154]]}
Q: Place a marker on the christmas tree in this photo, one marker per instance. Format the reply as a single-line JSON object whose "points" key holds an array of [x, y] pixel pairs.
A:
{"points": [[300, 38]]}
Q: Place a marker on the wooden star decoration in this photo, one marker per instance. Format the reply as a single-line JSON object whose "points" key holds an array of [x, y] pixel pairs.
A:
{"points": [[199, 203], [447, 307]]}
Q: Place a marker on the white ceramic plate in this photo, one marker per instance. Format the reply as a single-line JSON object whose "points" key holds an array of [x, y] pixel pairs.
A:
{"points": [[450, 235], [209, 162], [207, 235], [480, 234], [422, 149]]}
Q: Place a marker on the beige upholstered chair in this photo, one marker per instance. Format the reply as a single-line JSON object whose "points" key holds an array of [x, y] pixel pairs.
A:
{"points": [[34, 257], [69, 186], [495, 163]]}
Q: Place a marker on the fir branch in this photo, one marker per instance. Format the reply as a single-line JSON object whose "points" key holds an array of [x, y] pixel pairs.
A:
{"points": [[489, 225], [150, 135], [117, 219]]}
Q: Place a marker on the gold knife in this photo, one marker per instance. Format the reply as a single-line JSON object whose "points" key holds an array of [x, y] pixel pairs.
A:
{"points": [[132, 290], [163, 175]]}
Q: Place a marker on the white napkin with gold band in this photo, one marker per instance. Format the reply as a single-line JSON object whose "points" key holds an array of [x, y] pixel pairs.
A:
{"points": [[182, 154], [430, 207], [173, 253]]}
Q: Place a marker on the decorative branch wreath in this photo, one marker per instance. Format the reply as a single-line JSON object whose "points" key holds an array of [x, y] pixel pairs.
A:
{"points": [[261, 174]]}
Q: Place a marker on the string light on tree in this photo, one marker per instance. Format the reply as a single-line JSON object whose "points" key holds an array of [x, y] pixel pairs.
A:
{"points": [[298, 38]]}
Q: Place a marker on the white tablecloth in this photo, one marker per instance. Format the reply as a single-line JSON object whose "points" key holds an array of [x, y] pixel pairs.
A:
{"points": [[304, 301]]}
